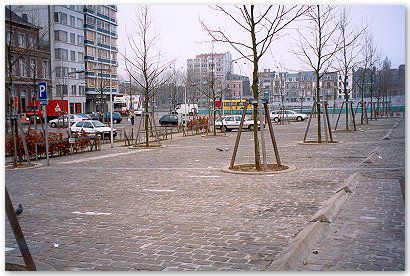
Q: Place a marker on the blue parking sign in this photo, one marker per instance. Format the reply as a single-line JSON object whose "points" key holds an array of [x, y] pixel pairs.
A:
{"points": [[42, 93]]}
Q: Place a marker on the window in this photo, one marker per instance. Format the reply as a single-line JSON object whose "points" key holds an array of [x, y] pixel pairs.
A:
{"points": [[63, 18], [81, 90], [32, 67], [80, 40], [22, 67], [72, 55], [72, 21], [80, 23], [60, 17], [73, 75], [73, 90], [9, 38], [22, 41], [58, 72], [60, 36], [72, 38], [61, 54], [79, 124], [32, 41], [64, 72], [45, 69], [87, 125], [80, 57]]}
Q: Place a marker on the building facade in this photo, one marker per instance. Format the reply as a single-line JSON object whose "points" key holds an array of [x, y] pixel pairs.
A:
{"points": [[67, 40], [27, 62], [100, 46]]}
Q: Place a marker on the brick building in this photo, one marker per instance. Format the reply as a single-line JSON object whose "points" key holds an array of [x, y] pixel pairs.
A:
{"points": [[27, 61]]}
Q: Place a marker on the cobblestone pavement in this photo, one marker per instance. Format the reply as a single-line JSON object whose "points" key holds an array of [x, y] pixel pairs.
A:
{"points": [[369, 232], [172, 208]]}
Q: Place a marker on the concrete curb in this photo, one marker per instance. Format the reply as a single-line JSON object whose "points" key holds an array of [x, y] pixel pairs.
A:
{"points": [[349, 185], [290, 168], [292, 256], [35, 165], [388, 135], [373, 157], [331, 208], [40, 266], [317, 143]]}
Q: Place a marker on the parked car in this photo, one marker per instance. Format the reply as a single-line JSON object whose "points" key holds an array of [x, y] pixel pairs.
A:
{"points": [[116, 117], [169, 119], [93, 127], [62, 120], [227, 123], [278, 115]]}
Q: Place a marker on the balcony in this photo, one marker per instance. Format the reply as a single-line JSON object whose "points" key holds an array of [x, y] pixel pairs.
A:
{"points": [[86, 57], [103, 31], [88, 42], [89, 26], [89, 10], [104, 60], [105, 46]]}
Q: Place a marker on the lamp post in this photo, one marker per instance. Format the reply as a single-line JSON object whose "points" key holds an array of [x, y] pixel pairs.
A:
{"points": [[68, 111]]}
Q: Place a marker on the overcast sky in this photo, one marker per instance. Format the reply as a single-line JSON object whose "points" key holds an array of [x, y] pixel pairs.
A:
{"points": [[182, 37]]}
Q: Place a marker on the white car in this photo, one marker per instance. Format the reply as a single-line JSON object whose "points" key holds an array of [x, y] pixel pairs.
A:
{"points": [[227, 123], [278, 115], [62, 120], [93, 127]]}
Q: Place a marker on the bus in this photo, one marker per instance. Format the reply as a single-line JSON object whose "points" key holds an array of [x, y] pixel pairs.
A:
{"points": [[232, 105]]}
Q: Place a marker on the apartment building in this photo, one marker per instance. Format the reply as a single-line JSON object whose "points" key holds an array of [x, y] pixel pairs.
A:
{"points": [[67, 40], [100, 46]]}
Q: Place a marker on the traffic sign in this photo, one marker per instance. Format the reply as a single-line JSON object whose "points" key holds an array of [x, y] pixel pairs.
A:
{"points": [[42, 93]]}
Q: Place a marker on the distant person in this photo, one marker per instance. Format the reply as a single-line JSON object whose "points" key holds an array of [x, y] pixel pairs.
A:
{"points": [[132, 119]]}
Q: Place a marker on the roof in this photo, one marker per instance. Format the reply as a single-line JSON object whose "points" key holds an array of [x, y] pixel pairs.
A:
{"points": [[13, 17]]}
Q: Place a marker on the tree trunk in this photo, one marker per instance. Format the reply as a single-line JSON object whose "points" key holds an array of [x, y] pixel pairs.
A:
{"points": [[319, 130], [256, 97]]}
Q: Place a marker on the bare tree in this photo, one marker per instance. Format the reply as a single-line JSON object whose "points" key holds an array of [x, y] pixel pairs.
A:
{"points": [[146, 63], [348, 56], [262, 24], [369, 56], [318, 43], [385, 83]]}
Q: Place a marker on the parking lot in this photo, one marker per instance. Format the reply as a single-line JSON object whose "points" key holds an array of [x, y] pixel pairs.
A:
{"points": [[172, 208]]}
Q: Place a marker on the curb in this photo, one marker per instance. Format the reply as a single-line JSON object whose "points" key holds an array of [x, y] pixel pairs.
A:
{"points": [[388, 135], [40, 266], [348, 183], [290, 168], [330, 208], [292, 257], [35, 165], [373, 157]]}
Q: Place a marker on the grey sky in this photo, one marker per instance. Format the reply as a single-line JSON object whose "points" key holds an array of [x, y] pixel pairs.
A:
{"points": [[182, 36]]}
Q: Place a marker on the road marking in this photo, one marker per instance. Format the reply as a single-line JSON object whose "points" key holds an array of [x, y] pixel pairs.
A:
{"points": [[91, 213], [103, 156], [154, 190], [9, 249], [209, 176]]}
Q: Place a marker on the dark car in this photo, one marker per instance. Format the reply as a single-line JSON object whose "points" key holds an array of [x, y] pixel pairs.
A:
{"points": [[169, 119], [116, 117]]}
